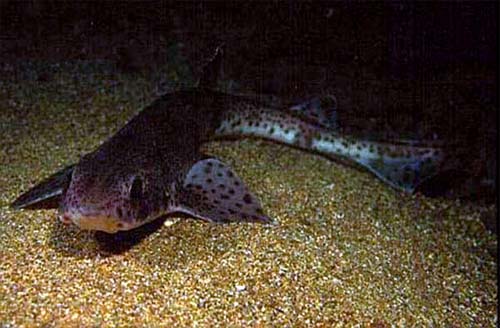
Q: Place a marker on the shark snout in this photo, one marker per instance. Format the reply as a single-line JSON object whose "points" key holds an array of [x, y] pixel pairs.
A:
{"points": [[93, 221]]}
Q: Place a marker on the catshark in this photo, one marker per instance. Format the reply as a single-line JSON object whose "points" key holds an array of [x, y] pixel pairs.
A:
{"points": [[153, 167]]}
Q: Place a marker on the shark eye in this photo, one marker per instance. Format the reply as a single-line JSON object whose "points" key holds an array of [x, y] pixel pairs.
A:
{"points": [[136, 189]]}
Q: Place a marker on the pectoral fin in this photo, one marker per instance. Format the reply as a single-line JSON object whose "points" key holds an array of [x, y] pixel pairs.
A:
{"points": [[211, 191], [47, 193]]}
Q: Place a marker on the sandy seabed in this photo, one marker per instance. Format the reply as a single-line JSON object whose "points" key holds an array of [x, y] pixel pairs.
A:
{"points": [[347, 250]]}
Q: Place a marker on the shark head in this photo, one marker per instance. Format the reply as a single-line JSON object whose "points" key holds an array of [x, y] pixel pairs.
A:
{"points": [[121, 196], [109, 198]]}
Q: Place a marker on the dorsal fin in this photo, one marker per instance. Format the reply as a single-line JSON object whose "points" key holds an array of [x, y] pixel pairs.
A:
{"points": [[212, 70], [321, 109]]}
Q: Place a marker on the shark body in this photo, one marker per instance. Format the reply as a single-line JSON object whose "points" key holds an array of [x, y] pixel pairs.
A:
{"points": [[152, 166]]}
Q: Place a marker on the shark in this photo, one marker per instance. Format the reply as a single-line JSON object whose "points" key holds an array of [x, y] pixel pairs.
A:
{"points": [[153, 166]]}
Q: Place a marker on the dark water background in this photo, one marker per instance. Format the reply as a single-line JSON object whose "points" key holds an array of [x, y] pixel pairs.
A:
{"points": [[426, 71]]}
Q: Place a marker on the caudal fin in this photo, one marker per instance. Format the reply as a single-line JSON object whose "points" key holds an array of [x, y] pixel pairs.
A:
{"points": [[402, 166], [406, 172]]}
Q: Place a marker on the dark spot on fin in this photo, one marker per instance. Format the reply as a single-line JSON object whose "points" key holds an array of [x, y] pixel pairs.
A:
{"points": [[48, 193], [321, 110], [231, 203]]}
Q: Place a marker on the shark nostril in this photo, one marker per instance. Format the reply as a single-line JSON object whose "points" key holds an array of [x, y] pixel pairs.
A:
{"points": [[119, 225]]}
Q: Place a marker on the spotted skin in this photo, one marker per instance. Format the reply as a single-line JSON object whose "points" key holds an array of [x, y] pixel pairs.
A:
{"points": [[152, 166], [212, 188], [403, 166]]}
